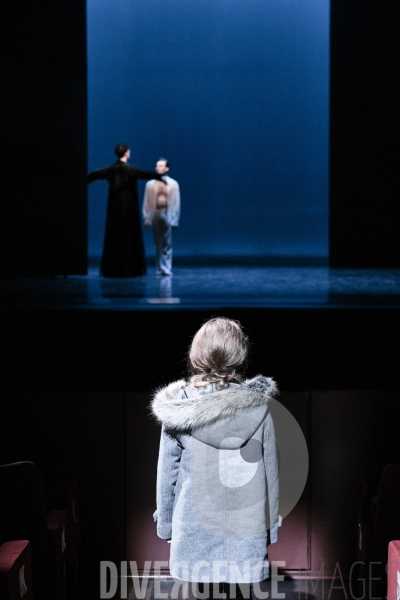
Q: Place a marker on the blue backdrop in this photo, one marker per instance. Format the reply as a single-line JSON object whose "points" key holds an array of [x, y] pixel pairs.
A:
{"points": [[235, 94]]}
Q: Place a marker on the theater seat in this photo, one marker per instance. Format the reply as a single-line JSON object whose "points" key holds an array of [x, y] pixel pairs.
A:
{"points": [[379, 524], [16, 570], [23, 517], [393, 588]]}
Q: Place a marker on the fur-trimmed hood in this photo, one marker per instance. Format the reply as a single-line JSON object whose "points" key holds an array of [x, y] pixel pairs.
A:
{"points": [[181, 414]]}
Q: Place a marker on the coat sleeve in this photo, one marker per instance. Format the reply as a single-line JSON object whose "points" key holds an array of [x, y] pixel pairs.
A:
{"points": [[272, 474], [174, 206], [167, 474], [142, 174], [98, 174]]}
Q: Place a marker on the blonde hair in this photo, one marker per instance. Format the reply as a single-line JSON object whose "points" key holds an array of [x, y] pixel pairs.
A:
{"points": [[218, 353]]}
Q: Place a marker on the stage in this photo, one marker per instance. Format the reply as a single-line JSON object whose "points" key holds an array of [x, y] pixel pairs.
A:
{"points": [[210, 286]]}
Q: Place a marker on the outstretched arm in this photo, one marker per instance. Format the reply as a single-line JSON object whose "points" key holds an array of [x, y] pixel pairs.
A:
{"points": [[98, 174], [141, 174]]}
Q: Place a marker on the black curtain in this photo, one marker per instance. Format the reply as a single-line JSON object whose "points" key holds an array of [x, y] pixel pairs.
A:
{"points": [[364, 134], [44, 200]]}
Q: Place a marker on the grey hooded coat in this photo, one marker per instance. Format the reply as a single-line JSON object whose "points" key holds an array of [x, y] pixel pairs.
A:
{"points": [[217, 479]]}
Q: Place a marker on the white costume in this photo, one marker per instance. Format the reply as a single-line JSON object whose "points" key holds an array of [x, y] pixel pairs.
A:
{"points": [[161, 207]]}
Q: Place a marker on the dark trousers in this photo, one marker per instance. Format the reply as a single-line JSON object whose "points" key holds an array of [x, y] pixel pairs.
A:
{"points": [[230, 591]]}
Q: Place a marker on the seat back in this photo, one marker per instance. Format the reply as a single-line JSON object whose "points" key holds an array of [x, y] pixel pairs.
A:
{"points": [[23, 516]]}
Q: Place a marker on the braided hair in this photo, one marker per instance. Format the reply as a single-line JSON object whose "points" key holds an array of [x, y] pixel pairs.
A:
{"points": [[218, 353]]}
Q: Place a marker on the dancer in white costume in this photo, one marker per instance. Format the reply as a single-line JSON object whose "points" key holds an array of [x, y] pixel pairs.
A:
{"points": [[161, 210]]}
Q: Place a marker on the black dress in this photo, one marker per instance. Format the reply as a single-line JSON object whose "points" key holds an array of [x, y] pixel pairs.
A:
{"points": [[123, 249]]}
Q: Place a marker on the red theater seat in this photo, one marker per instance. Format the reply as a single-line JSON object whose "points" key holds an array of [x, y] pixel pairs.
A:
{"points": [[16, 570], [379, 524], [23, 517], [393, 589]]}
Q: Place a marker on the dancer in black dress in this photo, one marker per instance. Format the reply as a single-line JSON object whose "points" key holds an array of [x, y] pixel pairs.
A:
{"points": [[123, 249]]}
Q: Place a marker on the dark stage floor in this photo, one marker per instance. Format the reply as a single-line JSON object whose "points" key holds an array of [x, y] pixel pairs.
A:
{"points": [[211, 287], [312, 327]]}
